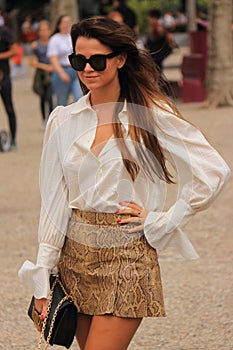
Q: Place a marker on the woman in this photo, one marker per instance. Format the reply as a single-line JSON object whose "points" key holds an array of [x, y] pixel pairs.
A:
{"points": [[116, 16], [64, 79], [160, 41], [40, 61], [103, 173]]}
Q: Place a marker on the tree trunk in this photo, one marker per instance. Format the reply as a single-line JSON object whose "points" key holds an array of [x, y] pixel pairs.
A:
{"points": [[64, 7], [220, 55], [191, 12]]}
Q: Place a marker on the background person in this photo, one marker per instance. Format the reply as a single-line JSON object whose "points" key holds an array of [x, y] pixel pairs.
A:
{"points": [[159, 42], [64, 78], [169, 21], [28, 34], [7, 50], [128, 14], [17, 61], [41, 62], [116, 16], [181, 21], [103, 172], [2, 20]]}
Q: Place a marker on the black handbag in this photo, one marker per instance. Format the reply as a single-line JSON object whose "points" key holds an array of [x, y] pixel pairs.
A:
{"points": [[60, 322], [40, 81]]}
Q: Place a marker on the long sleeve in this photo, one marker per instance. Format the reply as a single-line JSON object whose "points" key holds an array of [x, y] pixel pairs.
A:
{"points": [[201, 175], [54, 213], [54, 198]]}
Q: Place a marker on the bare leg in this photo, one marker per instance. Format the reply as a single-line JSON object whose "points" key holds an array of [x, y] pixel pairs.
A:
{"points": [[84, 323], [110, 332]]}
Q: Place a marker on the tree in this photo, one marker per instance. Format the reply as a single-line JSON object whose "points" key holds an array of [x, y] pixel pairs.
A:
{"points": [[220, 54], [191, 12], [61, 7]]}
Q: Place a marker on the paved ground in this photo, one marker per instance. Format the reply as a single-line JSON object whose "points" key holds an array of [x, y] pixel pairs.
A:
{"points": [[198, 294]]}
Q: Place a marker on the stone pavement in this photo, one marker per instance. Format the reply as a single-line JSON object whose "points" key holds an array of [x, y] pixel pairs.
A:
{"points": [[198, 294]]}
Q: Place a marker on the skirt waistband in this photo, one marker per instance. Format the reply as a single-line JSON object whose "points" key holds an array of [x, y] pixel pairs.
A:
{"points": [[96, 218]]}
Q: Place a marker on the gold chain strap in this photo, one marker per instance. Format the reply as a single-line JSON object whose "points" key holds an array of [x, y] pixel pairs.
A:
{"points": [[66, 297]]}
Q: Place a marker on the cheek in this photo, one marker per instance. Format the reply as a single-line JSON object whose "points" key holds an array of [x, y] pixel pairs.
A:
{"points": [[112, 69], [79, 74]]}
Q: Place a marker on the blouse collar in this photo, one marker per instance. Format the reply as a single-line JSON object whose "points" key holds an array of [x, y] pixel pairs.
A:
{"points": [[84, 104]]}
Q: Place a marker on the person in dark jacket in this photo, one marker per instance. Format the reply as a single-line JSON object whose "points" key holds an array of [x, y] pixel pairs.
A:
{"points": [[128, 14], [7, 50], [159, 41]]}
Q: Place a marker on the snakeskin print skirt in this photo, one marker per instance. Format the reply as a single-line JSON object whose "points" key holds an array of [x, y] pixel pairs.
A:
{"points": [[108, 271]]}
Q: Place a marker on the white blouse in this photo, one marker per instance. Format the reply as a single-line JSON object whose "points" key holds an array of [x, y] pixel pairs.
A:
{"points": [[71, 176], [60, 45]]}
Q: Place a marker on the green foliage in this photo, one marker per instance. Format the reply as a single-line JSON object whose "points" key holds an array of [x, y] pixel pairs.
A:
{"points": [[142, 7], [203, 4]]}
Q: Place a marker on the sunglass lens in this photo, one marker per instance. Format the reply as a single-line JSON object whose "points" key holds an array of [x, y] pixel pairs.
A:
{"points": [[98, 62], [78, 62]]}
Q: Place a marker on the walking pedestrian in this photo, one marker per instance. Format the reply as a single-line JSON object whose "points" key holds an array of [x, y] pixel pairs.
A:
{"points": [[17, 62], [64, 78], [42, 79], [2, 20], [128, 14], [116, 16], [159, 41], [28, 34], [7, 50], [103, 172]]}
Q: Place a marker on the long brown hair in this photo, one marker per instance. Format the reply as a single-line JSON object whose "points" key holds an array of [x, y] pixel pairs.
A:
{"points": [[57, 24], [139, 82]]}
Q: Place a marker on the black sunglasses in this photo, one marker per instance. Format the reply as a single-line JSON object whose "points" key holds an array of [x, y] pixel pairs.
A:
{"points": [[97, 62]]}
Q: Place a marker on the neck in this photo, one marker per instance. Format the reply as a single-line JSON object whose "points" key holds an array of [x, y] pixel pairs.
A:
{"points": [[103, 102], [100, 96], [44, 41]]}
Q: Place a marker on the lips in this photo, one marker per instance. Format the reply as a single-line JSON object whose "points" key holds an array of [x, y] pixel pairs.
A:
{"points": [[90, 76]]}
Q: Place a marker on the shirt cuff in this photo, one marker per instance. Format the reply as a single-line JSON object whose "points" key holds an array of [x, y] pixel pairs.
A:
{"points": [[164, 229], [47, 256], [36, 278]]}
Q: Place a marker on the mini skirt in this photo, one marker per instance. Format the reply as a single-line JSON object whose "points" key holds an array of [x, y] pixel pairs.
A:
{"points": [[108, 271]]}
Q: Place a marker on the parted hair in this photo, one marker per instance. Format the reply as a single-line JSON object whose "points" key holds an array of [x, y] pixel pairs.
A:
{"points": [[139, 84], [57, 24]]}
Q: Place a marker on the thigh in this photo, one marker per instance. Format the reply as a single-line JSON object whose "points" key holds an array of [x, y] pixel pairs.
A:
{"points": [[75, 87], [60, 89], [110, 332], [6, 92], [83, 326], [48, 92]]}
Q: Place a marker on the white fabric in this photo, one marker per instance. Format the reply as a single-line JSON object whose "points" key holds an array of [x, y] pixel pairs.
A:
{"points": [[37, 279], [60, 45], [72, 176]]}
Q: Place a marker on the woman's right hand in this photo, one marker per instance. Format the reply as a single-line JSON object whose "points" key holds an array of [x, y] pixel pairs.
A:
{"points": [[41, 305], [65, 77]]}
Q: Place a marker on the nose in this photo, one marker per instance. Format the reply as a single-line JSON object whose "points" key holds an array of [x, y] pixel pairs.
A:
{"points": [[88, 67]]}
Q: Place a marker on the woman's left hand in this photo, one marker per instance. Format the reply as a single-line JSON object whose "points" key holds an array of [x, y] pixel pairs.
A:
{"points": [[138, 216]]}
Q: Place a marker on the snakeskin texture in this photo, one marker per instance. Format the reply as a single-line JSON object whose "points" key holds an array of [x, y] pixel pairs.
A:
{"points": [[120, 277]]}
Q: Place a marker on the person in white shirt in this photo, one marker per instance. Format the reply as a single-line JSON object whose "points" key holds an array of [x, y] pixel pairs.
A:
{"points": [[64, 78], [169, 21], [103, 187], [2, 21]]}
